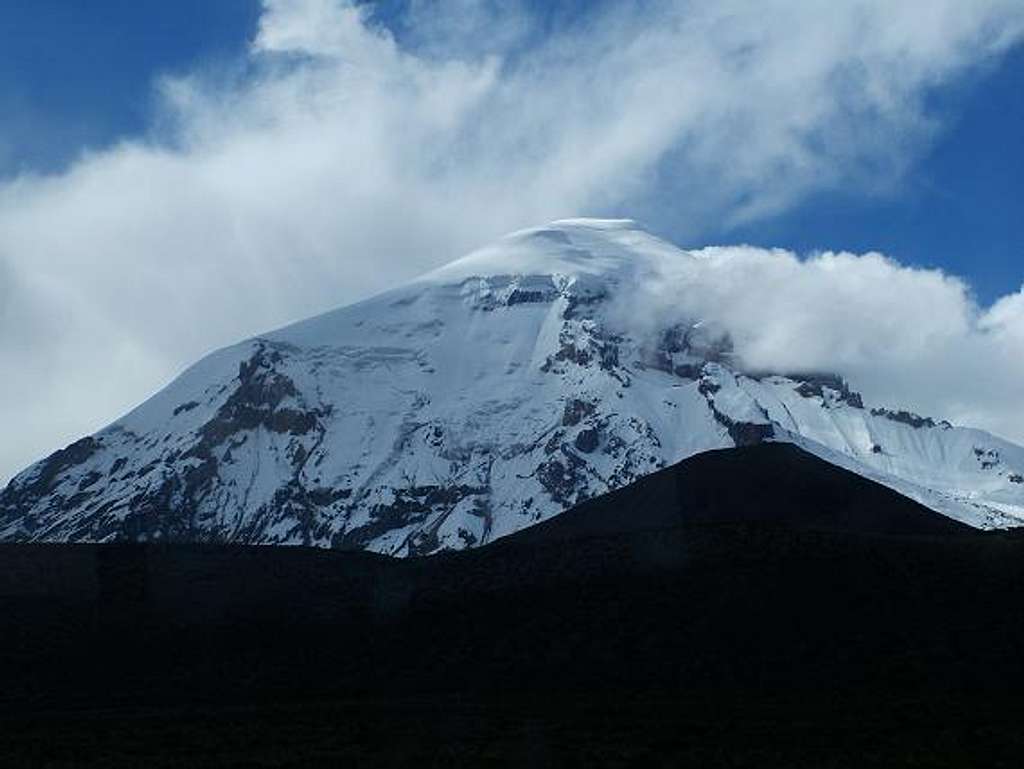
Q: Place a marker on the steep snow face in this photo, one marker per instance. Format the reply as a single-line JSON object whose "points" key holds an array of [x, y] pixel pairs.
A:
{"points": [[488, 395]]}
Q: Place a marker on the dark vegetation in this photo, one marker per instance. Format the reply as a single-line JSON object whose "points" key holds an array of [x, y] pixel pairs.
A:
{"points": [[755, 607]]}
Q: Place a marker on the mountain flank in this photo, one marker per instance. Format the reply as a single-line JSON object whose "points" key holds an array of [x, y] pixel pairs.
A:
{"points": [[474, 402]]}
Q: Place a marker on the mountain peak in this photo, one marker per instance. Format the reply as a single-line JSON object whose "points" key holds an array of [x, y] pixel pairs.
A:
{"points": [[488, 395], [568, 247]]}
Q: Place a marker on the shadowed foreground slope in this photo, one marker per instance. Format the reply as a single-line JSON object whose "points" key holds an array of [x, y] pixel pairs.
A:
{"points": [[747, 607]]}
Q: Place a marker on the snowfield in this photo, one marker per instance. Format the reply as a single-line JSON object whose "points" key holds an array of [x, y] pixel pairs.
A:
{"points": [[488, 395]]}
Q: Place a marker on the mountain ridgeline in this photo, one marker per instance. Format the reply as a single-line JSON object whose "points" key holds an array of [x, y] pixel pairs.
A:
{"points": [[477, 401]]}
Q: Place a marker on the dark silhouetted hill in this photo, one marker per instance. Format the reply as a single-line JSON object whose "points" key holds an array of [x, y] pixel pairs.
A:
{"points": [[755, 607]]}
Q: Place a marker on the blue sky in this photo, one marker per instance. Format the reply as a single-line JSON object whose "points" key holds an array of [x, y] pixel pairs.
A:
{"points": [[175, 177], [961, 206], [77, 76]]}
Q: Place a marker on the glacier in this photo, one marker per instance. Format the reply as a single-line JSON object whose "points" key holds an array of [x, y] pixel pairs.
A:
{"points": [[479, 399]]}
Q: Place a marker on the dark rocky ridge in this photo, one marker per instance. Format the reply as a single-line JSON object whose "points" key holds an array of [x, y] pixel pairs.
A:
{"points": [[909, 418], [815, 384]]}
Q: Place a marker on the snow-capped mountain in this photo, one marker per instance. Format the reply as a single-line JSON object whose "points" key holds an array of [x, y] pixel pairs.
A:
{"points": [[486, 396]]}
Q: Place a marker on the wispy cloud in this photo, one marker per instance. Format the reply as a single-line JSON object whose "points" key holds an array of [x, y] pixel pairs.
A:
{"points": [[906, 337], [339, 159]]}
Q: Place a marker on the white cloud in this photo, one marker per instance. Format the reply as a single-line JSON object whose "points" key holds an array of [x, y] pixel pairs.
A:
{"points": [[341, 160], [906, 337]]}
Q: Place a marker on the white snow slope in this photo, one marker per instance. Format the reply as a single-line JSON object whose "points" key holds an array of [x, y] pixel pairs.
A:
{"points": [[484, 397]]}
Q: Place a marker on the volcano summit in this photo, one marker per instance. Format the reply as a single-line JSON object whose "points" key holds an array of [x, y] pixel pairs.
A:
{"points": [[484, 397]]}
